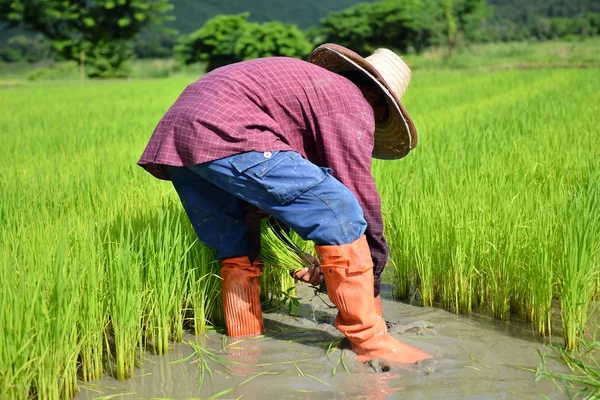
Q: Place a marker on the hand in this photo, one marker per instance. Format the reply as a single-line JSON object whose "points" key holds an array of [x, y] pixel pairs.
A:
{"points": [[311, 274]]}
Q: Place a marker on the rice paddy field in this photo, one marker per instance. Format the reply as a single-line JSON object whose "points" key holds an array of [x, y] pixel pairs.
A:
{"points": [[497, 212]]}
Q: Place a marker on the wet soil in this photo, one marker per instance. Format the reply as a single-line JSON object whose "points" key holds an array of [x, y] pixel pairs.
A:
{"points": [[474, 358]]}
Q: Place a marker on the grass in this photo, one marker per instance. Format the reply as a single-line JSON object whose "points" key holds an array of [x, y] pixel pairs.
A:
{"points": [[580, 53], [494, 212]]}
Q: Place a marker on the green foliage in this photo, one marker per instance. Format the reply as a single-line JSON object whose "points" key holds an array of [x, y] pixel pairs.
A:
{"points": [[541, 19], [403, 26], [226, 39], [470, 16], [272, 39], [525, 11], [191, 14], [214, 43], [350, 28], [463, 20], [555, 28], [97, 28], [108, 59], [28, 49], [155, 43]]}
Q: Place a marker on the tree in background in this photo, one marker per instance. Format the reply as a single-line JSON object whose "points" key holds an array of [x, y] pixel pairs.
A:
{"points": [[463, 20], [410, 25], [28, 49], [271, 39], [564, 28], [214, 43], [97, 31], [402, 26], [226, 39], [350, 28], [155, 43], [542, 19]]}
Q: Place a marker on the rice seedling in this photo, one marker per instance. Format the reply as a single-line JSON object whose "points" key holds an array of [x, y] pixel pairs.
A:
{"points": [[583, 364], [204, 287], [281, 254], [92, 318], [302, 374], [578, 269], [279, 249], [56, 356], [164, 279], [126, 299], [231, 389], [341, 361], [19, 326]]}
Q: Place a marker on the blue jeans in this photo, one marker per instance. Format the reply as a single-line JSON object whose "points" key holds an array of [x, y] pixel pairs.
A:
{"points": [[298, 193]]}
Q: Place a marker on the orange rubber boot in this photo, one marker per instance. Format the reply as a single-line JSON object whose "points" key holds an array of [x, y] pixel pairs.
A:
{"points": [[379, 306], [241, 296], [348, 272]]}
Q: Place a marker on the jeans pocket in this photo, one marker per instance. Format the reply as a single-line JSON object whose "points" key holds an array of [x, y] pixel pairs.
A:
{"points": [[285, 175]]}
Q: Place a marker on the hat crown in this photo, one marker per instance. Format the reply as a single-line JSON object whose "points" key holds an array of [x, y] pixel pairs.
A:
{"points": [[392, 69]]}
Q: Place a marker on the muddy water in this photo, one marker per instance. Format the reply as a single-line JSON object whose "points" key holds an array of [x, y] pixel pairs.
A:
{"points": [[473, 358]]}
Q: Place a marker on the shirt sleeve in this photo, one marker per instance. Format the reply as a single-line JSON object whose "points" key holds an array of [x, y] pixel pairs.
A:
{"points": [[347, 145]]}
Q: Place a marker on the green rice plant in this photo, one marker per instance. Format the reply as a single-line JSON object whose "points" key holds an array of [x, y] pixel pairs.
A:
{"points": [[281, 254], [539, 275], [425, 262], [585, 376], [275, 284], [495, 209], [204, 287], [501, 263], [489, 214], [55, 369], [279, 249], [579, 267], [126, 298], [20, 299], [400, 259], [305, 246], [164, 279], [92, 318]]}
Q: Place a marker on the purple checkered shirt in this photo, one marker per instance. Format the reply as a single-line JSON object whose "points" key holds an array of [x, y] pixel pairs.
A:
{"points": [[273, 104]]}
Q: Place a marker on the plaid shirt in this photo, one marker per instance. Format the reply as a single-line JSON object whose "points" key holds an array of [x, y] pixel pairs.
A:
{"points": [[273, 104]]}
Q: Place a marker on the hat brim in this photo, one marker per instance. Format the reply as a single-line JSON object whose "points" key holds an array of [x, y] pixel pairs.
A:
{"points": [[396, 135]]}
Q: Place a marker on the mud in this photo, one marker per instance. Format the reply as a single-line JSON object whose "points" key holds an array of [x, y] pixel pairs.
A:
{"points": [[474, 358]]}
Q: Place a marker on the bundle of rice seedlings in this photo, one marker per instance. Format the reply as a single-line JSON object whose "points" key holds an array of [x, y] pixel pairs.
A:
{"points": [[278, 249], [281, 255]]}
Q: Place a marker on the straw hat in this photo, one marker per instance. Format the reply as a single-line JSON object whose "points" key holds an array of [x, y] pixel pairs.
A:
{"points": [[396, 135]]}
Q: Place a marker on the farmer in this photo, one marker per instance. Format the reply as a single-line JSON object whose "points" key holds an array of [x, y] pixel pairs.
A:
{"points": [[294, 139]]}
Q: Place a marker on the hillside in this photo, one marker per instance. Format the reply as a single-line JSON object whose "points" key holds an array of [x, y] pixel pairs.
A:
{"points": [[525, 11], [191, 14]]}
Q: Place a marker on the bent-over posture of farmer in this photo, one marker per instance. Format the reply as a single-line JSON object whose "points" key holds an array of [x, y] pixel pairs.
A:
{"points": [[294, 139]]}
